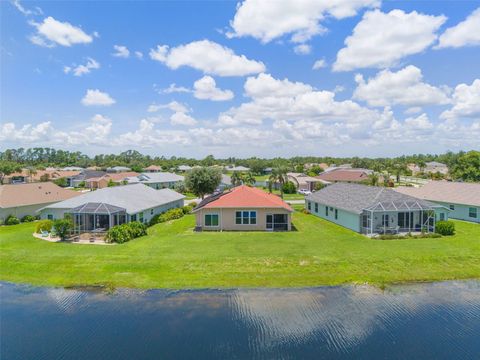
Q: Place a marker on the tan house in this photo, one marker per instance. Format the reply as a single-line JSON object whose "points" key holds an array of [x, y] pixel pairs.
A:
{"points": [[25, 199], [305, 182], [243, 208], [153, 168], [103, 181], [27, 176]]}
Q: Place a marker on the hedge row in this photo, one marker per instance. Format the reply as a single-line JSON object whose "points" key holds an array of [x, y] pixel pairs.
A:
{"points": [[126, 232], [445, 227], [171, 214], [13, 220]]}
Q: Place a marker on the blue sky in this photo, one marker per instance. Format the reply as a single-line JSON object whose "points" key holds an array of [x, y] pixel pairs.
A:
{"points": [[238, 79]]}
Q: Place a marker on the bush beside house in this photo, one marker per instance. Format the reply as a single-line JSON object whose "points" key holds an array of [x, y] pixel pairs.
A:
{"points": [[126, 232], [43, 225], [445, 227]]}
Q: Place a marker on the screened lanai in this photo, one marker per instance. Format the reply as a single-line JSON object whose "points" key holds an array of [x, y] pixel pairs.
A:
{"points": [[398, 216], [97, 217]]}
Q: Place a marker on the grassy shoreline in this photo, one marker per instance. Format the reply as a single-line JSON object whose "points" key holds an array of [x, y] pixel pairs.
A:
{"points": [[171, 256]]}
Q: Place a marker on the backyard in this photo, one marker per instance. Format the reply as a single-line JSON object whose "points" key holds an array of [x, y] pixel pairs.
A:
{"points": [[173, 256]]}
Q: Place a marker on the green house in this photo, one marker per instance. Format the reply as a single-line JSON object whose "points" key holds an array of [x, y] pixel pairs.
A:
{"points": [[374, 210]]}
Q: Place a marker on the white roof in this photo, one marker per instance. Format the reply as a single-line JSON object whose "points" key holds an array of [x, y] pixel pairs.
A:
{"points": [[133, 198], [184, 168], [157, 177]]}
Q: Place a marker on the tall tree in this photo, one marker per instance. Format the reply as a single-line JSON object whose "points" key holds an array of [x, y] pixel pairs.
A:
{"points": [[7, 168], [203, 180], [278, 176]]}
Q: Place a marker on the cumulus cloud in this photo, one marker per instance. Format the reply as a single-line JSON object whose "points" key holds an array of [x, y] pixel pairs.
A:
{"points": [[206, 89], [269, 20], [121, 51], [466, 102], [95, 97], [302, 49], [52, 32], [172, 105], [180, 118], [82, 69], [404, 87], [381, 39], [206, 56], [465, 33], [173, 88]]}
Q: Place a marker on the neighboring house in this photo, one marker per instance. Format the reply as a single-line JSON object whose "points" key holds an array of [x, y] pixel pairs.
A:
{"points": [[84, 176], [344, 175], [101, 209], [371, 210], [104, 181], [237, 168], [184, 168], [72, 168], [226, 183], [25, 199], [118, 169], [243, 208], [267, 170], [322, 166], [305, 182], [153, 168], [463, 199], [414, 168], [159, 180], [434, 167], [25, 176]]}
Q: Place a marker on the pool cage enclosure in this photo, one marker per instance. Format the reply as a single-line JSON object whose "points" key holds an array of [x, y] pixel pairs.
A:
{"points": [[97, 217], [398, 216]]}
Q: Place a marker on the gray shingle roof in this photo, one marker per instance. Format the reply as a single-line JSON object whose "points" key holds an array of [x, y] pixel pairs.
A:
{"points": [[157, 177], [356, 198], [133, 198]]}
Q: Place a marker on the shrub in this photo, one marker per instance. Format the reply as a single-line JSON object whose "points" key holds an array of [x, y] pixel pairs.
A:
{"points": [[28, 218], [180, 187], [43, 225], [61, 182], [305, 211], [137, 229], [408, 236], [63, 227], [289, 188], [445, 227], [168, 215], [187, 209], [12, 220], [193, 204], [119, 234]]}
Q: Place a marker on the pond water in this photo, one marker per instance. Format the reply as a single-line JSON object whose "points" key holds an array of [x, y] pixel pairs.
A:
{"points": [[423, 321]]}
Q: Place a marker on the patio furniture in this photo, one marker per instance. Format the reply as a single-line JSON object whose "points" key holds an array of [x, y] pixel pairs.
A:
{"points": [[44, 233]]}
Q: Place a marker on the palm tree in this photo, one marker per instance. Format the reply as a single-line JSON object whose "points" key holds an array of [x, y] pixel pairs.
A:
{"points": [[399, 169], [279, 175], [249, 179], [373, 179], [236, 178], [31, 172]]}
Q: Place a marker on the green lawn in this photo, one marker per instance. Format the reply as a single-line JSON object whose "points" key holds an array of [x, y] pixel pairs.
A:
{"points": [[172, 256]]}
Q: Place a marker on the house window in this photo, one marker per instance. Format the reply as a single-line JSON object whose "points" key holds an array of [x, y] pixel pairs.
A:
{"points": [[309, 205], [442, 216], [133, 217], [50, 217], [211, 219], [140, 217], [316, 207], [151, 211], [245, 217], [385, 220], [336, 214], [452, 207], [472, 212], [326, 210]]}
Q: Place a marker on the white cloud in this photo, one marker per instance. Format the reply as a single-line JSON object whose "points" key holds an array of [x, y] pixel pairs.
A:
{"points": [[180, 118], [206, 89], [79, 70], [421, 122], [51, 32], [404, 87], [25, 11], [173, 88], [139, 54], [382, 39], [268, 20], [465, 33], [319, 64], [121, 51], [207, 56], [302, 49], [466, 102], [172, 105], [95, 97]]}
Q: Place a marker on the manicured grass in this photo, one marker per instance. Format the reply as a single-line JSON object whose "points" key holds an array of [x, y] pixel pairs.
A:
{"points": [[173, 256]]}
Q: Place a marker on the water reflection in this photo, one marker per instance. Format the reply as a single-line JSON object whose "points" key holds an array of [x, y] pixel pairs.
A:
{"points": [[425, 321]]}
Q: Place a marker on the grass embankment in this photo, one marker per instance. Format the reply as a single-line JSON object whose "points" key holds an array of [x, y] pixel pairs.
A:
{"points": [[172, 256]]}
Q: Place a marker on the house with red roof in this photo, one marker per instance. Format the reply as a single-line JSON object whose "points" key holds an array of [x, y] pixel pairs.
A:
{"points": [[243, 208]]}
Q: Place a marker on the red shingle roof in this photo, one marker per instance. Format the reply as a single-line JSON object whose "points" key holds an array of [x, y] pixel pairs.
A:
{"points": [[246, 197]]}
